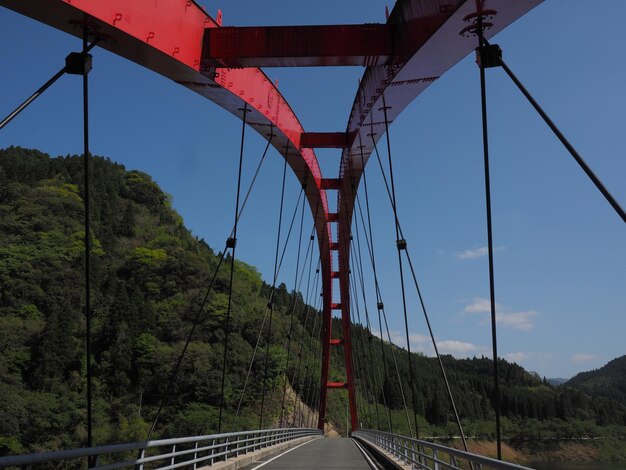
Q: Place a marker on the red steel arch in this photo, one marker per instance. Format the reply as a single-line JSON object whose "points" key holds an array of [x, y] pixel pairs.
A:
{"points": [[420, 41], [435, 35]]}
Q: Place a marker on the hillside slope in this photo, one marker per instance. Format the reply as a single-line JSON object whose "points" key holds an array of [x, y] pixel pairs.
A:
{"points": [[149, 275], [608, 381]]}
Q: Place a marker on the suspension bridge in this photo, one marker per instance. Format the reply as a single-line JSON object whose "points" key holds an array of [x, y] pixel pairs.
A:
{"points": [[418, 43]]}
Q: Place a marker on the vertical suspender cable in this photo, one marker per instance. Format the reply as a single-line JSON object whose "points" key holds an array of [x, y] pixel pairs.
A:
{"points": [[87, 246], [317, 385], [298, 289], [296, 375], [293, 314], [233, 245], [280, 263], [399, 248], [359, 266], [198, 315], [312, 347], [363, 344], [315, 356], [492, 296], [271, 300], [245, 384], [426, 317], [370, 246]]}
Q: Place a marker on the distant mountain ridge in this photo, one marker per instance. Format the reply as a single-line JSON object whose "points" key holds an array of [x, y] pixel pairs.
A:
{"points": [[608, 381], [556, 381]]}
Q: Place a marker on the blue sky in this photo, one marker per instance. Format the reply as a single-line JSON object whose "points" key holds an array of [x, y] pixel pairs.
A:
{"points": [[561, 250]]}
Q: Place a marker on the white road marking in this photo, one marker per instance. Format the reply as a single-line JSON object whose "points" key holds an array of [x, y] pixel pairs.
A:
{"points": [[367, 457], [280, 455]]}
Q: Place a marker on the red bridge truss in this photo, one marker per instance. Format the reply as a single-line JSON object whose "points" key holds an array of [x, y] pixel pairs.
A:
{"points": [[420, 41]]}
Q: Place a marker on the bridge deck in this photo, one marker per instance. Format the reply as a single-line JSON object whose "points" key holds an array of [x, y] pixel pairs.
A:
{"points": [[319, 454]]}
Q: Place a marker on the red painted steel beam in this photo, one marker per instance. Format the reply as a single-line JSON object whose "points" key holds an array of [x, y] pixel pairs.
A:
{"points": [[428, 51], [299, 46], [326, 140], [337, 385], [170, 38], [330, 183], [166, 37]]}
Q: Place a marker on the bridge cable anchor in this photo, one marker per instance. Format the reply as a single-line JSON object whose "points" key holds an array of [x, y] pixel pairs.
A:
{"points": [[489, 56]]}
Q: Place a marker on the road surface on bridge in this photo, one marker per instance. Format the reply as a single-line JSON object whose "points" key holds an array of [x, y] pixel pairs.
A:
{"points": [[319, 454]]}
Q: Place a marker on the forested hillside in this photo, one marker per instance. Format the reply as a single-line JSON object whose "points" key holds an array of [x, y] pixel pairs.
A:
{"points": [[149, 274], [608, 381]]}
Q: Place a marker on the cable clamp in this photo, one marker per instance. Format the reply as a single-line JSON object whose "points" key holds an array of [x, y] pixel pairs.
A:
{"points": [[401, 244], [231, 242], [78, 63], [380, 306], [489, 56]]}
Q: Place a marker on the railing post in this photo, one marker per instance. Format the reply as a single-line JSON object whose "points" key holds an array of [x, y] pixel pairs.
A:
{"points": [[453, 461], [195, 456], [435, 458], [212, 451], [142, 454], [226, 448], [173, 459], [406, 451], [420, 452]]}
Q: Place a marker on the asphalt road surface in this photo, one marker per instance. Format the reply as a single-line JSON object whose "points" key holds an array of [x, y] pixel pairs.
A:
{"points": [[319, 454]]}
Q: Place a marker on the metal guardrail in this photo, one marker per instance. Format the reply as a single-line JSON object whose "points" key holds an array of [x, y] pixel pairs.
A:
{"points": [[184, 452], [427, 455]]}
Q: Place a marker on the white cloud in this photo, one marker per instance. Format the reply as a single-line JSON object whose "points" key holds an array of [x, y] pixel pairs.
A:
{"points": [[582, 357], [517, 356], [517, 320], [476, 252], [523, 321], [423, 344], [473, 254], [479, 305], [459, 348]]}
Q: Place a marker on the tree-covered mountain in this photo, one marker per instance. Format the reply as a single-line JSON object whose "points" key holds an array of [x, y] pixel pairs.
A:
{"points": [[149, 277], [608, 381]]}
